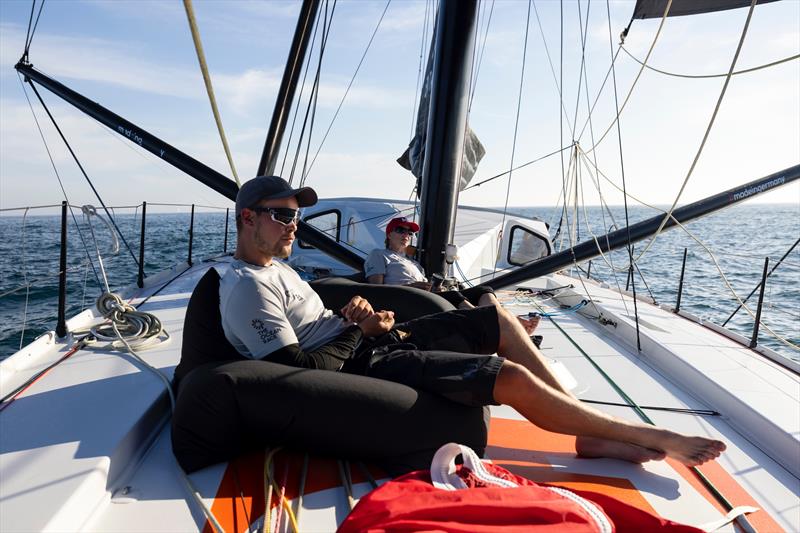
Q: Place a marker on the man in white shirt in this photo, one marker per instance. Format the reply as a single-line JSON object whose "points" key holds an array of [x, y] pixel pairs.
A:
{"points": [[268, 313]]}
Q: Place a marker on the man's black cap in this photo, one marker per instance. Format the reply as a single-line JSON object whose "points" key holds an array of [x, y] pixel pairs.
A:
{"points": [[271, 187]]}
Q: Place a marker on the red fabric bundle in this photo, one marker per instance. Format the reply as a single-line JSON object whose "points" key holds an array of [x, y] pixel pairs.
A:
{"points": [[412, 503]]}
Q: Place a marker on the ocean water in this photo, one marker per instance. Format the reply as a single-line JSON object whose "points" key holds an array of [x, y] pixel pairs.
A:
{"points": [[739, 238]]}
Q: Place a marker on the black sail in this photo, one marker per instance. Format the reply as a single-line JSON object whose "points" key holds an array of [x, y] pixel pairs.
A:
{"points": [[648, 9]]}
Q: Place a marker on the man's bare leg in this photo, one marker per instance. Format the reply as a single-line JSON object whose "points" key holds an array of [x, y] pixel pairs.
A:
{"points": [[553, 410], [516, 346], [528, 324]]}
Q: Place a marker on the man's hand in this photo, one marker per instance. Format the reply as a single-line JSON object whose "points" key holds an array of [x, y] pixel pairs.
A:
{"points": [[424, 285], [357, 310], [377, 324]]}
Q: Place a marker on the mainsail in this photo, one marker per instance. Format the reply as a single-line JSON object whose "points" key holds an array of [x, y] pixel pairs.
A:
{"points": [[413, 158], [647, 9]]}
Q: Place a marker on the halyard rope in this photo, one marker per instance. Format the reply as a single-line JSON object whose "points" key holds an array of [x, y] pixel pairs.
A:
{"points": [[708, 128], [201, 58]]}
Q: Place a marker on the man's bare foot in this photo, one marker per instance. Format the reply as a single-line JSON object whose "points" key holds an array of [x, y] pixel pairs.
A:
{"points": [[614, 449], [529, 324], [691, 451]]}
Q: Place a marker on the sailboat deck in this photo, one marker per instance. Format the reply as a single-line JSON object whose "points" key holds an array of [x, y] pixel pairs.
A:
{"points": [[101, 465]]}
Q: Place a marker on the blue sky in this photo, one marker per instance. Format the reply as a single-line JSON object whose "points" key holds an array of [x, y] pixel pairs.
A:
{"points": [[137, 58]]}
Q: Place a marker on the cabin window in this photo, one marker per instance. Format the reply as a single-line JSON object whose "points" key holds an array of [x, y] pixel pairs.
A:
{"points": [[328, 222], [526, 246]]}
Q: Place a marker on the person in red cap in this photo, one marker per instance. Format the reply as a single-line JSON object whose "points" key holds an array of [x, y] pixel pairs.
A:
{"points": [[393, 266]]}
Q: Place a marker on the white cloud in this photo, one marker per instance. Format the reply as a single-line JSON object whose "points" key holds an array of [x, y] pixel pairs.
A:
{"points": [[108, 62]]}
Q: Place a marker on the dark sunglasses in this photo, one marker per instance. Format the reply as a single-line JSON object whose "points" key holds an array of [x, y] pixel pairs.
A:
{"points": [[403, 231], [281, 215]]}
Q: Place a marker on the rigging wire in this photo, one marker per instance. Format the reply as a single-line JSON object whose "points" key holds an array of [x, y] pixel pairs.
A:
{"points": [[201, 58], [296, 103], [792, 247], [480, 56], [75, 157], [609, 260], [631, 261], [31, 31], [636, 79], [550, 60], [58, 177], [478, 184], [707, 483], [325, 34], [516, 120], [25, 278], [349, 85], [582, 69], [423, 40], [708, 128], [312, 99], [707, 76], [596, 181], [713, 259]]}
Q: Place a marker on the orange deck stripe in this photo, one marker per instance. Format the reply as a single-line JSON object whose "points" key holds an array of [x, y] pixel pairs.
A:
{"points": [[730, 488], [516, 445], [522, 447]]}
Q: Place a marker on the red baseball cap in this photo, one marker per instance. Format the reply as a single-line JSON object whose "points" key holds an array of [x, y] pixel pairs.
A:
{"points": [[403, 223]]}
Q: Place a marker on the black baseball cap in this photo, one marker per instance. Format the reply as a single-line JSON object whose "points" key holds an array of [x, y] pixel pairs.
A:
{"points": [[271, 187]]}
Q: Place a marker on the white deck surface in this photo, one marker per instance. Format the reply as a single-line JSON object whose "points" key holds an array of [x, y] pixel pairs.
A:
{"points": [[72, 453]]}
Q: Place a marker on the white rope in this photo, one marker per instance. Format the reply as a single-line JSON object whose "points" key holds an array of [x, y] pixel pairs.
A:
{"points": [[636, 79], [201, 58], [710, 253], [608, 260], [553, 70], [706, 76], [708, 129]]}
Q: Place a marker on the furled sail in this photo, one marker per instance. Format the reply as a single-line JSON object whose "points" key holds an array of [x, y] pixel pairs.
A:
{"points": [[647, 9], [413, 158]]}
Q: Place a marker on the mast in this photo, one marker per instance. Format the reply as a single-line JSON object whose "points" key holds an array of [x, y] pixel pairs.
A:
{"points": [[646, 228], [452, 70], [291, 73]]}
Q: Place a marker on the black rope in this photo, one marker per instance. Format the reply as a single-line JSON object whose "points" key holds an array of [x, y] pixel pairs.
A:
{"points": [[75, 157], [684, 410], [624, 188], [336, 114]]}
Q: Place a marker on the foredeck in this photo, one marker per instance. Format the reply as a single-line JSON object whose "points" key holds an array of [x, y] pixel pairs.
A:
{"points": [[80, 455]]}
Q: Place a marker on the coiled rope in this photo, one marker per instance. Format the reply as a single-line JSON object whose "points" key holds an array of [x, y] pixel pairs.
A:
{"points": [[126, 326]]}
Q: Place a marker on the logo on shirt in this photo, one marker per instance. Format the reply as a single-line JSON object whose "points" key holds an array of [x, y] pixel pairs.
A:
{"points": [[265, 334], [292, 295]]}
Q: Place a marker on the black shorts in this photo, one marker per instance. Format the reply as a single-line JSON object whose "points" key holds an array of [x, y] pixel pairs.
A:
{"points": [[448, 354], [470, 294]]}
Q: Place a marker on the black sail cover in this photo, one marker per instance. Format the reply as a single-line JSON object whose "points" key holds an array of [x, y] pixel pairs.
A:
{"points": [[413, 158], [648, 9]]}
